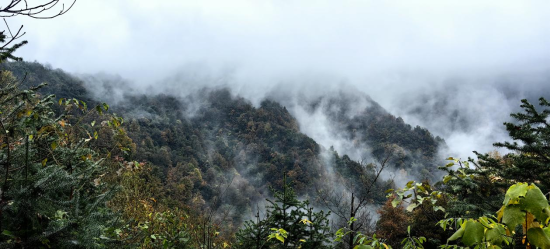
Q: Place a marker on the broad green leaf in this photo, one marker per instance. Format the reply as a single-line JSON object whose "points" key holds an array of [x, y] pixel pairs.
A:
{"points": [[54, 145], [495, 235], [473, 233], [457, 234], [535, 202], [513, 216], [538, 237], [514, 193]]}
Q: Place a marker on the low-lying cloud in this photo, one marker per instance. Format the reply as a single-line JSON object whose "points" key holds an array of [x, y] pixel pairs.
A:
{"points": [[456, 67]]}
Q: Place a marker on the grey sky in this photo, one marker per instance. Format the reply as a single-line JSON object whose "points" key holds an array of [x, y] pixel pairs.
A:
{"points": [[351, 38], [390, 49]]}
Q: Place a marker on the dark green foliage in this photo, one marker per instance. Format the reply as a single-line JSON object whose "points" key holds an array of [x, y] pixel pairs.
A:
{"points": [[59, 83], [531, 135], [52, 192], [373, 127], [199, 143], [305, 227], [480, 185], [6, 52]]}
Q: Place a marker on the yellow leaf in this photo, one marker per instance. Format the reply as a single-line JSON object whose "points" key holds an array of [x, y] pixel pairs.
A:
{"points": [[279, 237], [44, 162], [306, 221]]}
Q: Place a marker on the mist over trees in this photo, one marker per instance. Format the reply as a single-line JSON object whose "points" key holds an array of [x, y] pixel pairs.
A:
{"points": [[214, 169], [174, 178]]}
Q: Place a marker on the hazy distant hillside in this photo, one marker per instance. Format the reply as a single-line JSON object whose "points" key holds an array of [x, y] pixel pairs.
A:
{"points": [[209, 140]]}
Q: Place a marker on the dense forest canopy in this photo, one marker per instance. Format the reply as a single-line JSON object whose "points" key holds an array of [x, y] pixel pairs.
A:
{"points": [[214, 166]]}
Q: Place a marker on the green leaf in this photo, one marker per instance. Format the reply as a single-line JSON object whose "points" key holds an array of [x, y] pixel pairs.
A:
{"points": [[98, 109], [439, 208], [411, 207], [7, 233], [153, 236], [95, 135], [457, 234], [535, 202], [85, 106], [363, 247], [513, 216], [473, 233], [538, 237], [54, 145], [105, 106], [447, 178], [514, 193], [395, 202], [495, 235]]}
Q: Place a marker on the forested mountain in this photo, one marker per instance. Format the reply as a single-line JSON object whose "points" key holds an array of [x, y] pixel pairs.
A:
{"points": [[159, 170], [212, 142]]}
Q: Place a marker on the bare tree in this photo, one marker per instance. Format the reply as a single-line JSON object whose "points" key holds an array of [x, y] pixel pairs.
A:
{"points": [[47, 9], [38, 11], [353, 199]]}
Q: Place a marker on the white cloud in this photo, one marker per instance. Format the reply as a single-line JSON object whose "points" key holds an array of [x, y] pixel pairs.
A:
{"points": [[396, 51]]}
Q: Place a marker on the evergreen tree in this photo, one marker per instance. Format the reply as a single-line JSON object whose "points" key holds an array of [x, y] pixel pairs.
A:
{"points": [[52, 192], [304, 227], [531, 160], [491, 174]]}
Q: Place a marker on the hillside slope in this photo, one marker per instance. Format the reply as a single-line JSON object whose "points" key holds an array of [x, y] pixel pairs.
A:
{"points": [[216, 150]]}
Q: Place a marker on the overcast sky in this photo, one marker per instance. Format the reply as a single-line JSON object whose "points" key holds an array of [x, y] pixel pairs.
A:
{"points": [[347, 37], [390, 49]]}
